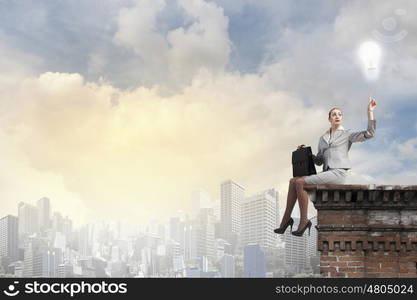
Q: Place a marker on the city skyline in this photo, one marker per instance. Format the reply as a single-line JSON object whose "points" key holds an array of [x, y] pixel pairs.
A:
{"points": [[193, 209], [40, 242], [190, 209]]}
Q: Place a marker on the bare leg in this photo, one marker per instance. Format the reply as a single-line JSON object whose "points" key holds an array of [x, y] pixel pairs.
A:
{"points": [[302, 201], [291, 200]]}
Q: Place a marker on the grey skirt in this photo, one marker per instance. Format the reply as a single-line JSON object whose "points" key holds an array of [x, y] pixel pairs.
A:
{"points": [[331, 176]]}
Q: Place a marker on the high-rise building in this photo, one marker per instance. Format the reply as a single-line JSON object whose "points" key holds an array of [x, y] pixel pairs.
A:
{"points": [[162, 232], [190, 241], [60, 241], [204, 263], [275, 259], [16, 268], [254, 261], [313, 255], [44, 213], [67, 227], [227, 266], [295, 250], [231, 198], [173, 248], [52, 258], [178, 265], [85, 241], [32, 263], [175, 229], [28, 219], [64, 271], [9, 238], [222, 247], [301, 253], [218, 230], [259, 218], [205, 238], [41, 260], [216, 209], [57, 222], [192, 272]]}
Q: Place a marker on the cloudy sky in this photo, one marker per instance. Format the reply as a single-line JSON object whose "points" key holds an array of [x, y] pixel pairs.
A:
{"points": [[119, 109]]}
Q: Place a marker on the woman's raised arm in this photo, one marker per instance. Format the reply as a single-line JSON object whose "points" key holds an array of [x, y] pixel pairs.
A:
{"points": [[361, 136]]}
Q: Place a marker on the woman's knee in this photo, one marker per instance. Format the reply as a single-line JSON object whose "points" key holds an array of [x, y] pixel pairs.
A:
{"points": [[299, 182]]}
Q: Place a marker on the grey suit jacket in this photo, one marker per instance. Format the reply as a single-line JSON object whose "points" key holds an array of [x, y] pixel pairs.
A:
{"points": [[333, 152]]}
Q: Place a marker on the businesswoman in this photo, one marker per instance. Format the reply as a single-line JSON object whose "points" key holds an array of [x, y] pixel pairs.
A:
{"points": [[333, 149]]}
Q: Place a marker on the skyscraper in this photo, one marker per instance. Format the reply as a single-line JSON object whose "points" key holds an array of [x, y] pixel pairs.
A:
{"points": [[254, 261], [35, 263], [190, 241], [44, 213], [57, 222], [313, 255], [67, 227], [215, 204], [9, 238], [222, 247], [41, 260], [205, 234], [32, 263], [231, 198], [227, 266], [259, 218], [295, 249], [64, 271], [28, 219], [85, 240], [175, 229]]}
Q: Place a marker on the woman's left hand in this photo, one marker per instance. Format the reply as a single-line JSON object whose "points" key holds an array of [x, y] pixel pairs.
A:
{"points": [[371, 104]]}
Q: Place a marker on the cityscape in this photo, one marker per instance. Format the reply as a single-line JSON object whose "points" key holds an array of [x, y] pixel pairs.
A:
{"points": [[225, 238], [154, 139]]}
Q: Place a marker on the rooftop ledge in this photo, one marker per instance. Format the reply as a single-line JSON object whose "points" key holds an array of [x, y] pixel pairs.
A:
{"points": [[347, 196], [366, 230]]}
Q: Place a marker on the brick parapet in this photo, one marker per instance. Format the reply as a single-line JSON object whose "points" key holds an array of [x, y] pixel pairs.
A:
{"points": [[366, 230]]}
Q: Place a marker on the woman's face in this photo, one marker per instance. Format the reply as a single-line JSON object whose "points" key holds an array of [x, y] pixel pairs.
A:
{"points": [[336, 117]]}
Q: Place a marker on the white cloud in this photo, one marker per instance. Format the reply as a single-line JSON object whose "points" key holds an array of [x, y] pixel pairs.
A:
{"points": [[177, 56], [14, 63], [390, 165], [204, 43], [408, 150], [149, 152], [137, 29], [399, 178]]}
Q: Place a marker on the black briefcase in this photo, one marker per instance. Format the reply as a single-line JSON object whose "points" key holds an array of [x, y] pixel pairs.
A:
{"points": [[302, 162]]}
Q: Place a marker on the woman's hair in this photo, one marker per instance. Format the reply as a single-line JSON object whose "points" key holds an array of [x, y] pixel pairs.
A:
{"points": [[333, 110]]}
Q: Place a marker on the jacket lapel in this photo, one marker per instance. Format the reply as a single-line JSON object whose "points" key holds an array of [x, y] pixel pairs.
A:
{"points": [[326, 135]]}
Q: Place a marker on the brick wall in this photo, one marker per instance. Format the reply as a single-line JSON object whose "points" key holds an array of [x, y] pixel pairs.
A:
{"points": [[366, 231]]}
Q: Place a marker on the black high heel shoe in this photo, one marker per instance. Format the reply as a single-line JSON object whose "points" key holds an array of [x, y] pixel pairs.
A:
{"points": [[300, 232], [282, 229]]}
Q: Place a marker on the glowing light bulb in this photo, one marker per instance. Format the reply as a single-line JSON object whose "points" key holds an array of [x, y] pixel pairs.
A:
{"points": [[370, 54]]}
